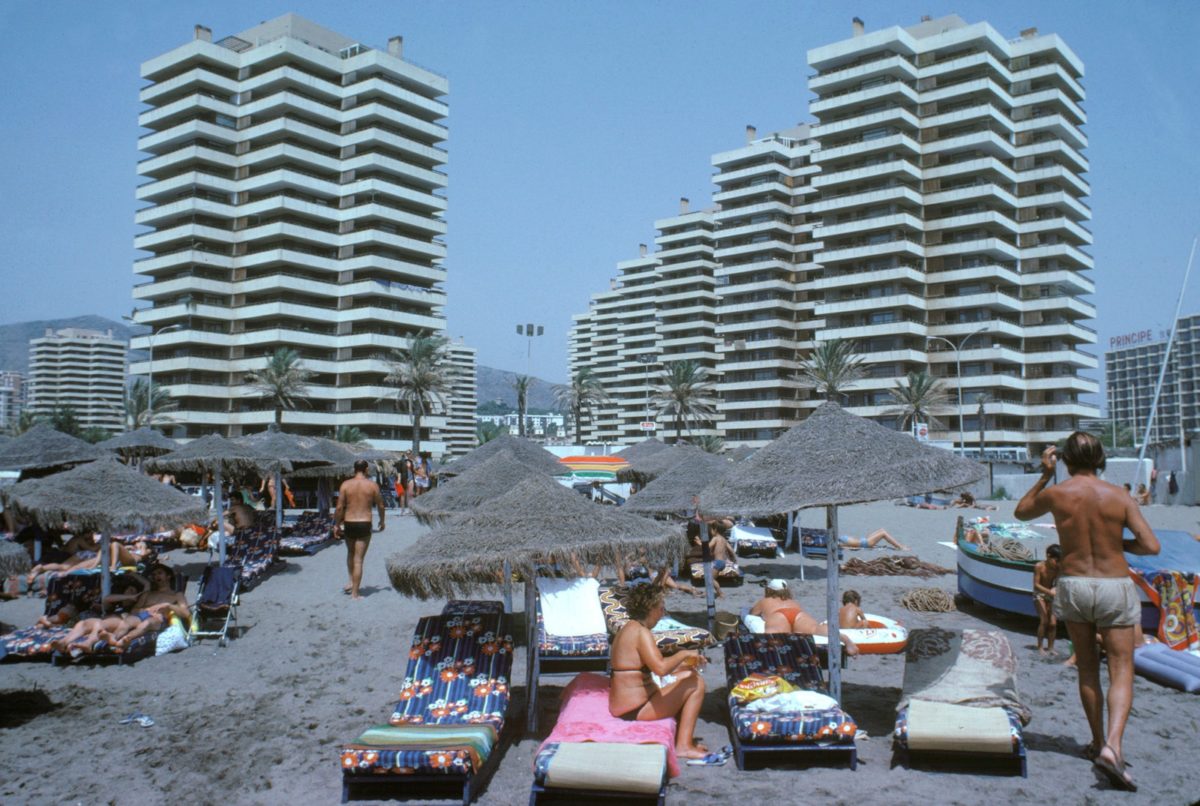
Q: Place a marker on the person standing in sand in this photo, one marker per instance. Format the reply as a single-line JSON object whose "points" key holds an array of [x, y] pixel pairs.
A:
{"points": [[356, 496], [1094, 593]]}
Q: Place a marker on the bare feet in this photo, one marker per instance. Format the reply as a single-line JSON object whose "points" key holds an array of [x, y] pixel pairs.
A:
{"points": [[690, 752]]}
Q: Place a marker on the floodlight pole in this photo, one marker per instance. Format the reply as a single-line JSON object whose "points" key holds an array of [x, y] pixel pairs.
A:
{"points": [[833, 636]]}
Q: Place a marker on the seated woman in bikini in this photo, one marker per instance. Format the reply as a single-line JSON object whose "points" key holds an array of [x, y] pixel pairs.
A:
{"points": [[781, 613], [633, 695]]}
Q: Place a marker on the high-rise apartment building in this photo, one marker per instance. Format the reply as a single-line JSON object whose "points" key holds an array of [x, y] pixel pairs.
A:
{"points": [[458, 434], [83, 370], [12, 397], [661, 310], [294, 198], [764, 259], [1131, 375], [950, 197], [933, 214]]}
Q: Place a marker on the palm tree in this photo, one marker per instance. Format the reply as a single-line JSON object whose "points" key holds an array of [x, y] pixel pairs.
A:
{"points": [[918, 396], [283, 382], [145, 410], [685, 395], [421, 377], [63, 418], [22, 423], [350, 435], [579, 396], [709, 443], [522, 384], [983, 398], [486, 432], [831, 368]]}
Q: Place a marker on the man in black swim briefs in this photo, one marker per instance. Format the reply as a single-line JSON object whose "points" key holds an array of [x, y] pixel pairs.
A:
{"points": [[353, 521]]}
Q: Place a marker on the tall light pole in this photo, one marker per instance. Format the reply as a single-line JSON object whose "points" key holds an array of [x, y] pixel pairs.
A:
{"points": [[646, 359], [150, 366], [957, 348], [529, 331]]}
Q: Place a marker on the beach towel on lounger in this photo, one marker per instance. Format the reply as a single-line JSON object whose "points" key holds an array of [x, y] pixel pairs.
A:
{"points": [[612, 597], [971, 667], [584, 717]]}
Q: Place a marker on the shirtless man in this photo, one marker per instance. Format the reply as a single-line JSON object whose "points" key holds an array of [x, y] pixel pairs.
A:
{"points": [[151, 609], [353, 520], [781, 613], [1094, 593]]}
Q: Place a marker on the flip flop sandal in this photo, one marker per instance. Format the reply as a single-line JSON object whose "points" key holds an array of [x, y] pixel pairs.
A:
{"points": [[144, 721], [1115, 773], [134, 717], [712, 759]]}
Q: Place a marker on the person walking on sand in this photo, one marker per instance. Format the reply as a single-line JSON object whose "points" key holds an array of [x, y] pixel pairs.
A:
{"points": [[352, 519], [1094, 593]]}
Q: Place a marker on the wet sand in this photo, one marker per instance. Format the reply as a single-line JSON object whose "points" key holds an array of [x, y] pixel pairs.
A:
{"points": [[261, 721]]}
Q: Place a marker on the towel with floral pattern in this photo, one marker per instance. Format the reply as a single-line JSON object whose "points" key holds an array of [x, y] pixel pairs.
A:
{"points": [[1174, 594], [612, 600]]}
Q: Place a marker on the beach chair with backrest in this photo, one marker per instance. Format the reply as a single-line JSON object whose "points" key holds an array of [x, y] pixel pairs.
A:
{"points": [[445, 735], [784, 735], [814, 545], [215, 610], [571, 632], [959, 705]]}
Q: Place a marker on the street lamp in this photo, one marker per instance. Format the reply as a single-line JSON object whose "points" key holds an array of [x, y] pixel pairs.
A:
{"points": [[646, 359], [528, 332], [150, 365], [957, 348]]}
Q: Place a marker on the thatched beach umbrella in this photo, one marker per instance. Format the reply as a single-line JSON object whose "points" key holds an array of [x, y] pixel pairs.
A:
{"points": [[675, 491], [285, 449], [526, 452], [14, 559], [104, 496], [834, 459], [642, 450], [650, 467], [139, 443], [483, 482], [538, 523], [217, 455], [741, 452], [43, 448]]}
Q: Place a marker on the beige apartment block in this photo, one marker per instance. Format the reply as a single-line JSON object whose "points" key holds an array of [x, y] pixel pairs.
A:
{"points": [[80, 369], [293, 196], [458, 434]]}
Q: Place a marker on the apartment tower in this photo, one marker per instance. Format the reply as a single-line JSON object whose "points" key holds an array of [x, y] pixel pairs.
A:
{"points": [[1131, 375], [458, 435], [293, 198], [83, 370], [952, 223]]}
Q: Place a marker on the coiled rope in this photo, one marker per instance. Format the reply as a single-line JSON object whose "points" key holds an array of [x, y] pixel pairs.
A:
{"points": [[1007, 548], [928, 600]]}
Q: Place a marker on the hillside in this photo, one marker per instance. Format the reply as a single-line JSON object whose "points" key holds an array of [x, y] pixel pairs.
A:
{"points": [[496, 384], [14, 338]]}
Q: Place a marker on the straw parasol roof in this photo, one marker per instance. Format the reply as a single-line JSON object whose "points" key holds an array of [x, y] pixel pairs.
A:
{"points": [[651, 467], [286, 451], [642, 450], [524, 452], [483, 482], [742, 452], [836, 458], [42, 447], [142, 442], [210, 453], [536, 523], [673, 492], [104, 496], [338, 454], [374, 454], [14, 559]]}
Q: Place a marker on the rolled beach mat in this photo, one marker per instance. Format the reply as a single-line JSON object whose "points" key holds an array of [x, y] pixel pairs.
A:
{"points": [[724, 624]]}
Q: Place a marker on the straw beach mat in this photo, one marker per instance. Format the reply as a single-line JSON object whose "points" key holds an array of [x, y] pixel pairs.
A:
{"points": [[962, 728], [608, 766]]}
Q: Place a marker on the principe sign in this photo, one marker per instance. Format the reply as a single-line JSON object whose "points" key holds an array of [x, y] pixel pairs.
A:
{"points": [[1135, 338]]}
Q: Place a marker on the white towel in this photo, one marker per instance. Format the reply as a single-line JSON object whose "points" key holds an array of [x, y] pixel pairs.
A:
{"points": [[572, 607]]}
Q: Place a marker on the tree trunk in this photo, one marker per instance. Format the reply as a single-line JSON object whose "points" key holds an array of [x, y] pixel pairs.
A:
{"points": [[578, 425], [279, 415], [678, 429], [417, 430], [521, 416]]}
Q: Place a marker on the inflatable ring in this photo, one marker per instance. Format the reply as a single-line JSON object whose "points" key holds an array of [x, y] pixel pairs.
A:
{"points": [[882, 636]]}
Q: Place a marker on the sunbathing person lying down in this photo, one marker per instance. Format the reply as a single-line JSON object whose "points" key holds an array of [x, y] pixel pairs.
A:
{"points": [[870, 541], [86, 559], [783, 614]]}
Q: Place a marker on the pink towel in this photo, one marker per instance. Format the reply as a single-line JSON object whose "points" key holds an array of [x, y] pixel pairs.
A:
{"points": [[584, 717]]}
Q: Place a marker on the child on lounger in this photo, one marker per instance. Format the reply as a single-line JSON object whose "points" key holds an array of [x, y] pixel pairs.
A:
{"points": [[851, 616], [1045, 577]]}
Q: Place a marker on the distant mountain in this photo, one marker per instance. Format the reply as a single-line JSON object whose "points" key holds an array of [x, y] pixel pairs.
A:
{"points": [[496, 384], [14, 338]]}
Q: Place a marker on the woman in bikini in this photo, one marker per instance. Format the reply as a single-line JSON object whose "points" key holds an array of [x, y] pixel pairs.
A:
{"points": [[633, 695], [781, 613]]}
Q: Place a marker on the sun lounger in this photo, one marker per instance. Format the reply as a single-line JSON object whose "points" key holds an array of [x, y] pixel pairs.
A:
{"points": [[591, 756], [960, 704], [160, 542], [309, 534], [255, 551], [814, 545], [753, 541], [445, 733], [670, 641], [728, 576], [784, 735]]}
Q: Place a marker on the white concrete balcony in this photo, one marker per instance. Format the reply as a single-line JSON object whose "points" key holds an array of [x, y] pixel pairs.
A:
{"points": [[423, 153], [187, 156], [860, 332], [896, 66], [995, 247], [1070, 358], [770, 245], [908, 171], [989, 167], [436, 204], [1063, 201], [197, 78], [287, 154], [1062, 251], [1057, 149], [184, 257], [773, 171], [982, 112], [897, 193], [878, 222], [283, 103], [172, 113], [1059, 125], [1056, 99], [908, 147], [419, 105], [1066, 383], [1061, 224], [865, 303], [1054, 69], [184, 232], [993, 300], [991, 143], [1076, 305], [1071, 282], [763, 189], [421, 129], [976, 59], [1058, 174], [901, 247], [169, 189], [896, 116], [867, 278], [897, 89]]}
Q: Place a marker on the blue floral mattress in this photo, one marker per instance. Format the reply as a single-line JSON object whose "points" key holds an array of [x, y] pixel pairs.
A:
{"points": [[794, 658]]}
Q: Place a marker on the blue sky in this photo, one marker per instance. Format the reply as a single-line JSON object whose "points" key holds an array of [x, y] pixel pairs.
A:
{"points": [[573, 126]]}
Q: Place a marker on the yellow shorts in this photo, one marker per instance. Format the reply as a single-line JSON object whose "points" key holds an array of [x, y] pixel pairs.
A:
{"points": [[1102, 601]]}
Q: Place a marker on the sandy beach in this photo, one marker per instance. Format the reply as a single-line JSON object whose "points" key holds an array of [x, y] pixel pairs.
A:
{"points": [[261, 721]]}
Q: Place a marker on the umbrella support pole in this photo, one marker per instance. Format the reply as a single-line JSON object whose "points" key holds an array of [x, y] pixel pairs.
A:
{"points": [[531, 676], [834, 645], [709, 600], [105, 570], [787, 540], [507, 587], [278, 502], [220, 514]]}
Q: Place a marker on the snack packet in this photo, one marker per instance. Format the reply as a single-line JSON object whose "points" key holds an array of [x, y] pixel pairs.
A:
{"points": [[757, 686]]}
